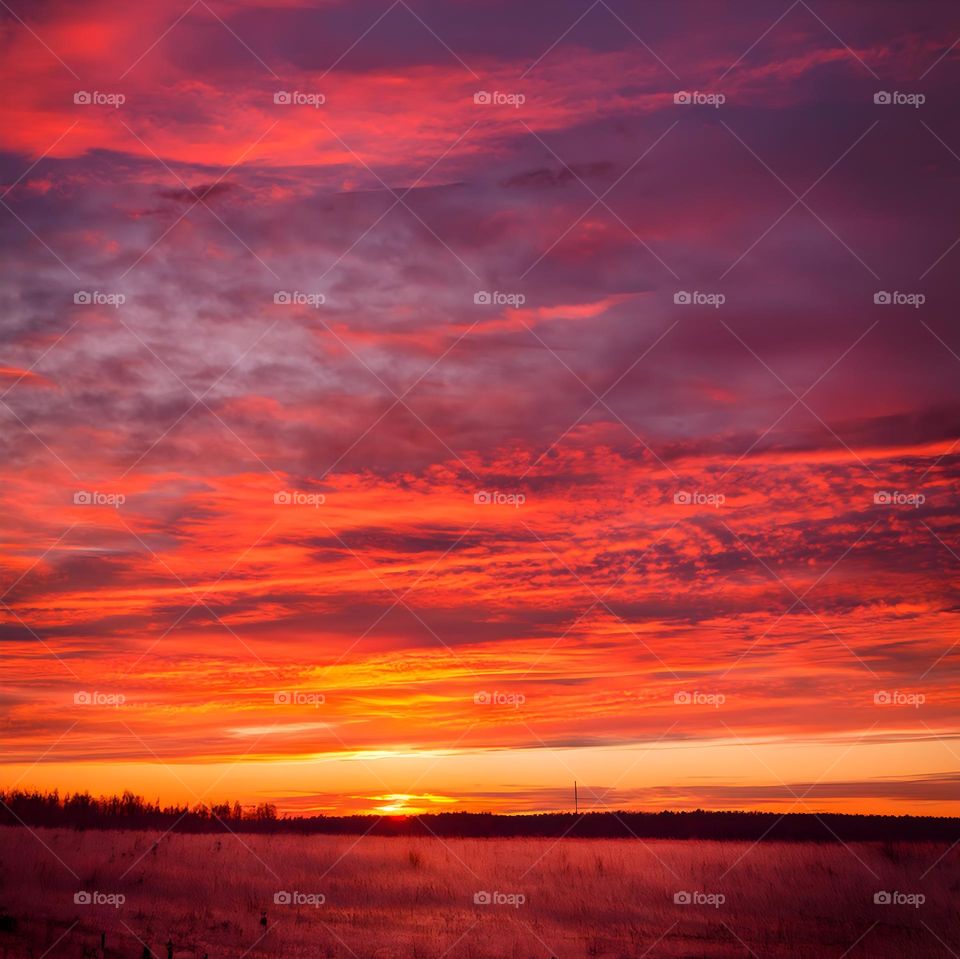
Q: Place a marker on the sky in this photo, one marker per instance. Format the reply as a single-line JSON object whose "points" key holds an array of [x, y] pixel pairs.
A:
{"points": [[425, 405]]}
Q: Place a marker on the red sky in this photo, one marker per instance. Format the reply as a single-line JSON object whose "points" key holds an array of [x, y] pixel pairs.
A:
{"points": [[719, 566]]}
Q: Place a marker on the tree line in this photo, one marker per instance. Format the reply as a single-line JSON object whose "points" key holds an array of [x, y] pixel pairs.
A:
{"points": [[129, 811]]}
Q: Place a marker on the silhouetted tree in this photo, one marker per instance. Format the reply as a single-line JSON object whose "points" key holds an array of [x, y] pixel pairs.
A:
{"points": [[83, 811]]}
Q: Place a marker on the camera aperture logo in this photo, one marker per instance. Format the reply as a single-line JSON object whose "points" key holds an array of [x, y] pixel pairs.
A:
{"points": [[696, 298], [284, 898], [884, 497], [84, 698], [697, 698], [898, 697], [699, 98], [498, 498], [896, 298], [897, 98], [698, 498], [484, 898], [299, 298], [298, 697], [285, 497], [713, 899], [498, 698], [884, 898], [95, 98], [297, 98], [498, 298], [96, 898], [82, 497], [499, 98], [98, 298]]}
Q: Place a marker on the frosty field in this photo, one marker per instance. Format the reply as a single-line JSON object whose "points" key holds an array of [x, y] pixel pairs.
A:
{"points": [[355, 897]]}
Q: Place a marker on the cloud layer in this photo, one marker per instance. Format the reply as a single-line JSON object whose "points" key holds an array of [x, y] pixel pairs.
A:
{"points": [[406, 355]]}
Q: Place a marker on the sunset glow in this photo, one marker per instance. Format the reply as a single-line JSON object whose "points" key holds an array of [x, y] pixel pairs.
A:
{"points": [[422, 407]]}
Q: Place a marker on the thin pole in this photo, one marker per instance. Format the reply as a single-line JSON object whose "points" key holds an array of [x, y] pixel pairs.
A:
{"points": [[576, 800]]}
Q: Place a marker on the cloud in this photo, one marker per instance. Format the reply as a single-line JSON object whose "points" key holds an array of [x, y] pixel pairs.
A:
{"points": [[401, 298]]}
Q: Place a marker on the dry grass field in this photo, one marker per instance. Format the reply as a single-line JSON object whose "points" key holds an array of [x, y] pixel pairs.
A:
{"points": [[350, 897]]}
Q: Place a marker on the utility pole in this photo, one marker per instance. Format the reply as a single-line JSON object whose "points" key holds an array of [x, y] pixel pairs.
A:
{"points": [[576, 800]]}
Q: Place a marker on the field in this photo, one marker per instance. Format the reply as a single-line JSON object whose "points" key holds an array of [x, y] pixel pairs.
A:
{"points": [[353, 897]]}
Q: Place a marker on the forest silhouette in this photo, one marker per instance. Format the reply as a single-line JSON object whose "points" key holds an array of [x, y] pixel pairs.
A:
{"points": [[129, 811]]}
